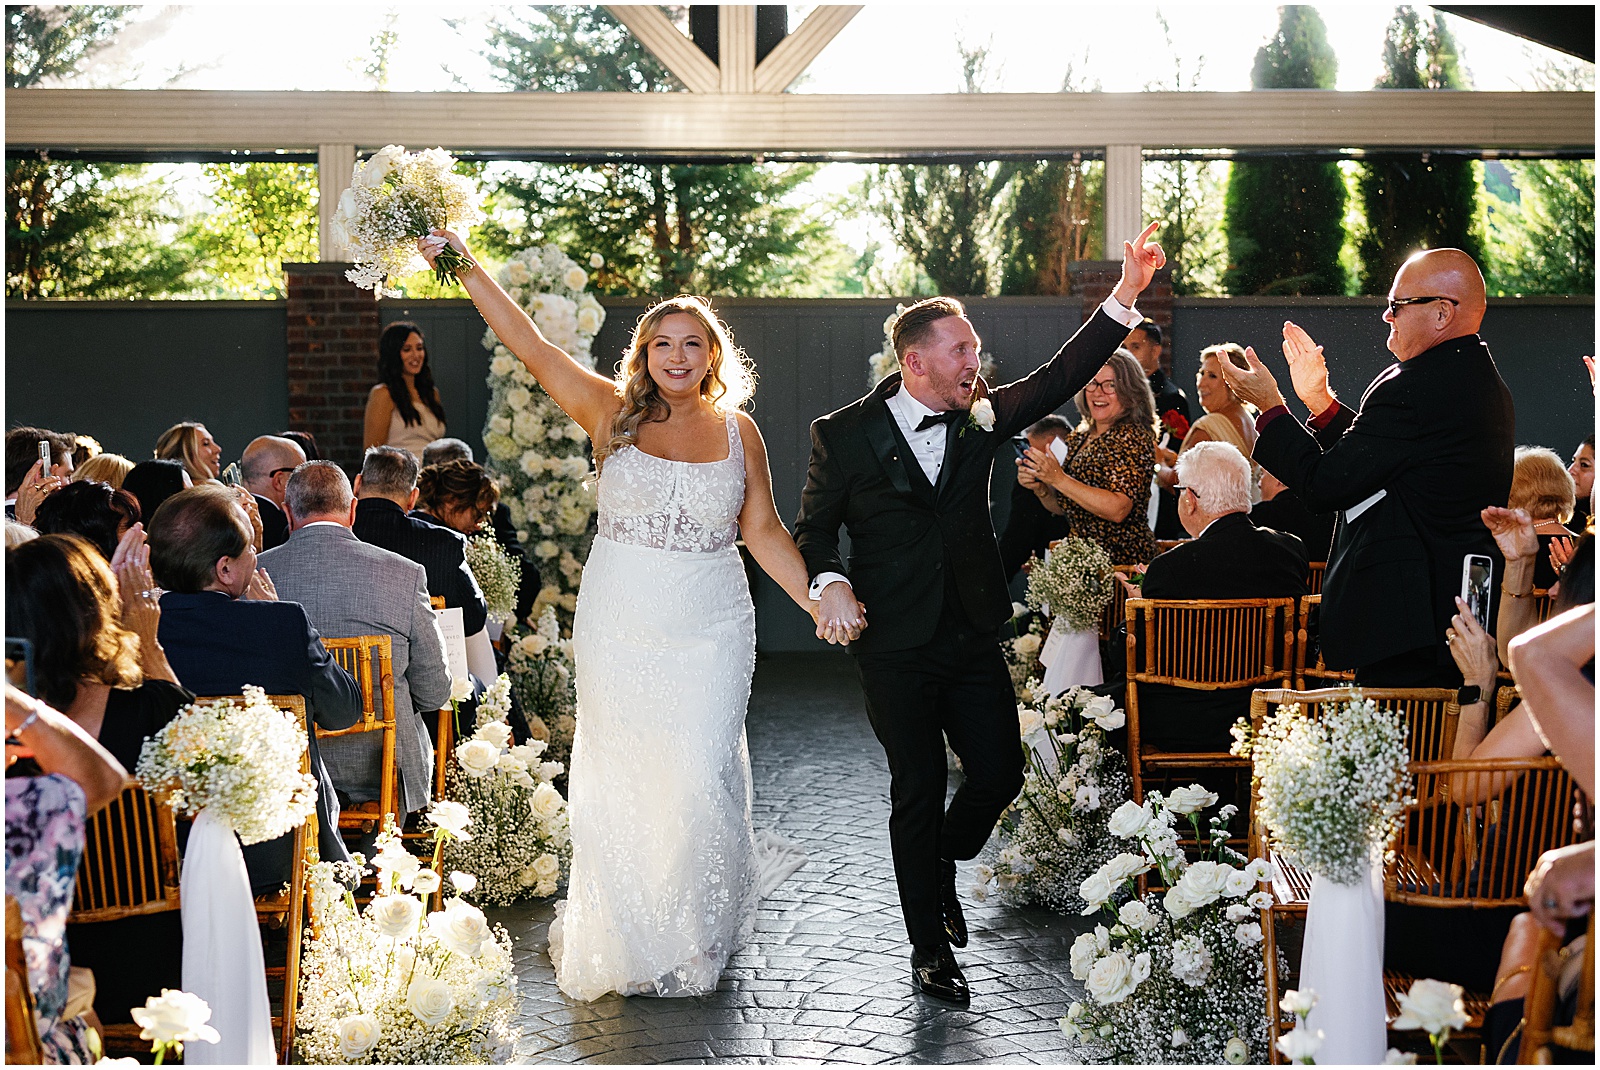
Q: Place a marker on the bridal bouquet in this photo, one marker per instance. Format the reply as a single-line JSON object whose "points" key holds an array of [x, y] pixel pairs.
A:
{"points": [[1057, 831], [497, 573], [388, 985], [1174, 978], [1072, 583], [519, 844], [1332, 789], [539, 455], [396, 197], [240, 760], [540, 665]]}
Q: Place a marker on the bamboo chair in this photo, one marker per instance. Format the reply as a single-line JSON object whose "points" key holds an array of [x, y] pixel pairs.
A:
{"points": [[1163, 545], [1506, 696], [1459, 854], [1114, 613], [1317, 674], [1315, 576], [1539, 1033], [22, 1027], [370, 660]]}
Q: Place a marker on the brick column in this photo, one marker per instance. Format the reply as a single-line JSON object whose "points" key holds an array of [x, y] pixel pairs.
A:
{"points": [[332, 358], [1093, 281]]}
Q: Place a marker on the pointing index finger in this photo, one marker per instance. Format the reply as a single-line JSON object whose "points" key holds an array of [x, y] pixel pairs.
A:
{"points": [[1145, 235]]}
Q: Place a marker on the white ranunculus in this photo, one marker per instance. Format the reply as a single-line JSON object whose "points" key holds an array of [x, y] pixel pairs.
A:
{"points": [[1111, 979], [496, 732], [547, 866], [1298, 1001], [452, 817], [1191, 799], [1029, 721], [1300, 1045], [463, 882], [982, 412], [1129, 819], [1248, 935], [174, 1017], [395, 916], [1260, 900], [1239, 913], [425, 882], [461, 927], [1431, 1006], [545, 802], [477, 757], [1260, 870], [1081, 958], [1096, 889], [1239, 883], [1236, 1052], [1138, 917], [358, 1034], [429, 999]]}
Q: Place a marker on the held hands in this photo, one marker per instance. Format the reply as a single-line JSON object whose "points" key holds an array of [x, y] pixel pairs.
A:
{"points": [[1472, 648], [841, 619], [1254, 384], [1308, 371], [1141, 259]]}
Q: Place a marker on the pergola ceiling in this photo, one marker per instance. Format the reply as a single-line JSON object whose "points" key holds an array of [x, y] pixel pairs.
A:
{"points": [[1566, 28]]}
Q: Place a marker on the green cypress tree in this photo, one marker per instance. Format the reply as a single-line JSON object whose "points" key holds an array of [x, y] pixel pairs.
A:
{"points": [[1415, 201], [1285, 216]]}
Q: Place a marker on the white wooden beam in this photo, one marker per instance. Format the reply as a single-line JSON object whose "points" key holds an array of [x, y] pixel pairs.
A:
{"points": [[335, 162], [713, 123], [1124, 186], [794, 53], [666, 42], [736, 47]]}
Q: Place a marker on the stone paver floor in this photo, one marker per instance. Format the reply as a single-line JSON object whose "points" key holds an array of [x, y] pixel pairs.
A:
{"points": [[826, 976]]}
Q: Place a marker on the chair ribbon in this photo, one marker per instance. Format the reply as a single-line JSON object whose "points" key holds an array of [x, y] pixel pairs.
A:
{"points": [[1342, 961]]}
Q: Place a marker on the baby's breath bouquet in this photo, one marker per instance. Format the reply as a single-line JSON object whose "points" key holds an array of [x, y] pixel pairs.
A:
{"points": [[1332, 789], [520, 843], [239, 760], [1055, 831], [540, 665], [497, 573], [396, 197], [1072, 583]]}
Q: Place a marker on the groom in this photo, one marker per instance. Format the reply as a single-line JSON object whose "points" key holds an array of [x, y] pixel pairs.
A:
{"points": [[906, 471]]}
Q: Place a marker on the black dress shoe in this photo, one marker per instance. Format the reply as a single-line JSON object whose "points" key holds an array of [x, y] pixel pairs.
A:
{"points": [[955, 923], [938, 975]]}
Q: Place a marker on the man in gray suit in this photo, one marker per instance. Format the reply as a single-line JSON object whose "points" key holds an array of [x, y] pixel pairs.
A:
{"points": [[351, 588]]}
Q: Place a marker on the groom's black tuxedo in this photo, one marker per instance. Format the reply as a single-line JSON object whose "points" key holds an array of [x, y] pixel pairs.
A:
{"points": [[925, 564]]}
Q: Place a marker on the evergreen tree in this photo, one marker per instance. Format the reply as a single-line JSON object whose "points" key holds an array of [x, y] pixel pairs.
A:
{"points": [[1416, 201], [1544, 242], [1055, 214], [265, 216], [1284, 216]]}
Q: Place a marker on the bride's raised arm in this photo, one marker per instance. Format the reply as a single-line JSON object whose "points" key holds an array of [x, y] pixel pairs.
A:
{"points": [[587, 397]]}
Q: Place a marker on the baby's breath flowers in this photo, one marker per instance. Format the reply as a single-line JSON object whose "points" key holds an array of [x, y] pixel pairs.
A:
{"points": [[396, 197], [1072, 583], [497, 573]]}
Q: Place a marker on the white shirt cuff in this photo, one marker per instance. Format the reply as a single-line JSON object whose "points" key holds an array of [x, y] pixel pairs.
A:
{"points": [[814, 592], [1121, 313]]}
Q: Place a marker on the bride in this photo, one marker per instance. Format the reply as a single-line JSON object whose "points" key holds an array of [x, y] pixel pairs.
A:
{"points": [[666, 870]]}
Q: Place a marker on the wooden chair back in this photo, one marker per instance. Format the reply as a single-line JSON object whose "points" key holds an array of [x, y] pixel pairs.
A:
{"points": [[130, 860], [370, 659], [22, 1028], [1163, 545], [437, 601], [1317, 673], [1506, 696], [1539, 1031], [1541, 604], [1114, 614], [1315, 576]]}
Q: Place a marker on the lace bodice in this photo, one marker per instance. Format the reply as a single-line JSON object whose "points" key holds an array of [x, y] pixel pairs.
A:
{"points": [[646, 500]]}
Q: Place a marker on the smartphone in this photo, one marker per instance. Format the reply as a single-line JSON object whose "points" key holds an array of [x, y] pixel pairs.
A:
{"points": [[44, 457], [1020, 444], [1476, 575], [232, 476]]}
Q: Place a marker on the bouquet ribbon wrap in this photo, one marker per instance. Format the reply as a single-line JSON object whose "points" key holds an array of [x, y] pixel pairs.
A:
{"points": [[1070, 658], [222, 961], [1342, 962]]}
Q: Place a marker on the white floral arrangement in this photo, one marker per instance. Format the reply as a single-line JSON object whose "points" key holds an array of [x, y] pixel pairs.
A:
{"points": [[396, 197], [1073, 583], [1056, 831], [1174, 978], [540, 455], [240, 760], [1435, 1007], [171, 1020], [520, 844], [540, 664], [499, 575], [1332, 789], [884, 363], [1022, 652], [389, 985]]}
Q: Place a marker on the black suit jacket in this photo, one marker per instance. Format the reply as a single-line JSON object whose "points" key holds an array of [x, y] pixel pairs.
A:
{"points": [[1435, 434], [274, 524], [1030, 528], [440, 550], [218, 644], [1288, 513], [904, 535]]}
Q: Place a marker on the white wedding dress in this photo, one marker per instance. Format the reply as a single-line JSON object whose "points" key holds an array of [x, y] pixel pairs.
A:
{"points": [[666, 870]]}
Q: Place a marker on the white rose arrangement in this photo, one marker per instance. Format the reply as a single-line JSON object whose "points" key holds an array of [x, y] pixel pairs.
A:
{"points": [[1175, 977], [396, 197], [1073, 583], [541, 671], [520, 845], [1022, 652], [171, 1020]]}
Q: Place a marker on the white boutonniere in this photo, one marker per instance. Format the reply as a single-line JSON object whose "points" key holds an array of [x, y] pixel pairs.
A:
{"points": [[981, 415]]}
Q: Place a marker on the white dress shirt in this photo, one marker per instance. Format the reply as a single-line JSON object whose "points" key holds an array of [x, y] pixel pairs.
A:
{"points": [[928, 446]]}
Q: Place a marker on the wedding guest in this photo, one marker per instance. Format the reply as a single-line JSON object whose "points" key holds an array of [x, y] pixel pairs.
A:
{"points": [[1226, 419], [98, 512], [1172, 410], [223, 627], [459, 495], [352, 588], [1514, 536], [191, 444], [1582, 472], [17, 534], [265, 466], [445, 450], [306, 441], [404, 409], [1282, 510], [1031, 527], [1103, 488], [1543, 488], [385, 491], [153, 482], [109, 468], [27, 480]]}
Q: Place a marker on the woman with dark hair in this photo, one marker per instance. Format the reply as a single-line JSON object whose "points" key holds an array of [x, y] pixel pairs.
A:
{"points": [[306, 441], [153, 482], [92, 509], [404, 408], [190, 443], [458, 495]]}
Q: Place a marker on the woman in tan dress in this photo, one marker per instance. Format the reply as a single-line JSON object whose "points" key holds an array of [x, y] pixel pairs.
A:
{"points": [[404, 409], [1227, 419]]}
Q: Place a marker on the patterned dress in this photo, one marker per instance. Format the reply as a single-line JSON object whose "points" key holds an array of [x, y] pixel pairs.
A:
{"points": [[1122, 459]]}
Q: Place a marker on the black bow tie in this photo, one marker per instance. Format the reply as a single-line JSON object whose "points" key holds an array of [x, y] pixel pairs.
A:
{"points": [[946, 418]]}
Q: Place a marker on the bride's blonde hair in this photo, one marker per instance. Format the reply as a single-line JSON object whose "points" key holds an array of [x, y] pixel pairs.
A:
{"points": [[728, 385]]}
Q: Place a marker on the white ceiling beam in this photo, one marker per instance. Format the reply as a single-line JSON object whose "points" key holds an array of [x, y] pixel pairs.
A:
{"points": [[794, 53], [736, 47], [650, 25], [712, 123]]}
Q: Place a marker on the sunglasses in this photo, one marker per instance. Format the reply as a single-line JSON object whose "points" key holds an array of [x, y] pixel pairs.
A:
{"points": [[1397, 303]]}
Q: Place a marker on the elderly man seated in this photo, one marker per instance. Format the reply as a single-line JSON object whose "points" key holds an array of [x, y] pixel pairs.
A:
{"points": [[1228, 557]]}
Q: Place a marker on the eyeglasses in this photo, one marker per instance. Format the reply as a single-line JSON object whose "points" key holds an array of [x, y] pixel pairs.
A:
{"points": [[1095, 386], [1397, 303], [278, 471], [1178, 490]]}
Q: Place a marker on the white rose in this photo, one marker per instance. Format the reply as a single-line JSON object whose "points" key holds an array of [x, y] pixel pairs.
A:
{"points": [[1396, 1057], [1138, 917], [1298, 1001], [1026, 645], [588, 320], [1124, 867], [1239, 883], [1248, 935], [1096, 889], [1238, 913], [1190, 799], [496, 732], [1236, 1052], [1082, 957], [528, 753], [532, 646], [461, 928], [517, 273], [1111, 979], [546, 550], [1204, 881], [452, 817], [463, 882], [399, 863], [546, 802], [983, 416], [377, 168], [429, 999], [1300, 1045], [1129, 819], [425, 882], [460, 688], [518, 397], [513, 768], [576, 278], [175, 1017], [358, 1034], [547, 866], [502, 366], [395, 916], [1434, 1007], [477, 757], [1177, 901], [1029, 721]]}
